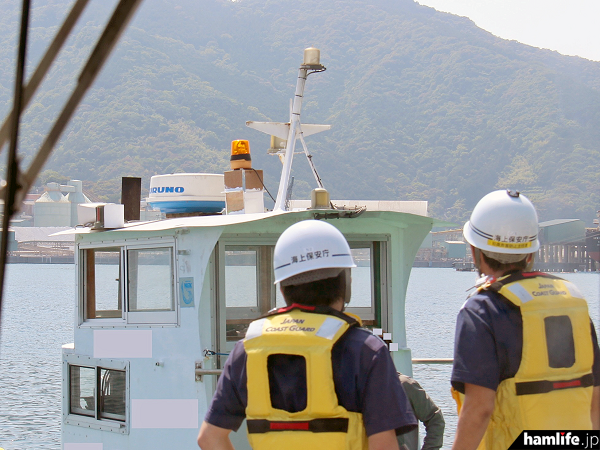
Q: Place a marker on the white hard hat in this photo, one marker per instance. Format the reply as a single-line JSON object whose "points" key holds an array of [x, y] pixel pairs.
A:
{"points": [[503, 222], [311, 245]]}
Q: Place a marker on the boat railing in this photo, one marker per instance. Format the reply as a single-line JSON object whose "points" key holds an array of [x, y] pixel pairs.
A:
{"points": [[433, 360]]}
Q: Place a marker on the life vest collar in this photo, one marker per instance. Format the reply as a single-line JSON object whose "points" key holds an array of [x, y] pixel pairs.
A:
{"points": [[497, 284], [352, 321]]}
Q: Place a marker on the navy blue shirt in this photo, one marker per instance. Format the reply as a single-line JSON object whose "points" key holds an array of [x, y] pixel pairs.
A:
{"points": [[365, 381], [489, 342]]}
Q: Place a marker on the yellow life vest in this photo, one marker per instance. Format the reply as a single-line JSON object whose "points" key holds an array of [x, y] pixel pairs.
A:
{"points": [[323, 424], [552, 388]]}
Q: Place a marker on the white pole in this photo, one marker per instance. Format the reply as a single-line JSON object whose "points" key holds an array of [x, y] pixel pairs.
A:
{"points": [[291, 141]]}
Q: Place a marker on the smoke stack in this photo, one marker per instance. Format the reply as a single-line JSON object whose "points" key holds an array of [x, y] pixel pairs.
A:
{"points": [[131, 196]]}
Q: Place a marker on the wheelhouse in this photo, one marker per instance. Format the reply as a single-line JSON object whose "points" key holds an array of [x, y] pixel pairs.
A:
{"points": [[161, 304]]}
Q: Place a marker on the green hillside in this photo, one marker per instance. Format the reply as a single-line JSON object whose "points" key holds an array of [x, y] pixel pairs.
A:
{"points": [[424, 105]]}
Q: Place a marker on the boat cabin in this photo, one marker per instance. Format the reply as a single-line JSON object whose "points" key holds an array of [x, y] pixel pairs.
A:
{"points": [[160, 305]]}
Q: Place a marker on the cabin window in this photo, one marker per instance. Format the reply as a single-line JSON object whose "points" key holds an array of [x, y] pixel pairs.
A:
{"points": [[241, 278], [150, 286], [97, 394], [246, 296], [363, 290], [103, 298], [111, 403], [148, 296], [364, 287], [83, 391], [248, 291]]}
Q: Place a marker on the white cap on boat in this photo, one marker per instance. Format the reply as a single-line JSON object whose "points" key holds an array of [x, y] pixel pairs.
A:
{"points": [[312, 56], [503, 222], [310, 246]]}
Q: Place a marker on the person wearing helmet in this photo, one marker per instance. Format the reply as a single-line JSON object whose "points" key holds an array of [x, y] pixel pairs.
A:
{"points": [[306, 376], [526, 355]]}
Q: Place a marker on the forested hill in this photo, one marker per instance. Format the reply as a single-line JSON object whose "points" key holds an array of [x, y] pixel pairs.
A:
{"points": [[424, 105]]}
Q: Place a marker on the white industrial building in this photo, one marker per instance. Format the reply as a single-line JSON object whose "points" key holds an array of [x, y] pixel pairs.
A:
{"points": [[57, 207]]}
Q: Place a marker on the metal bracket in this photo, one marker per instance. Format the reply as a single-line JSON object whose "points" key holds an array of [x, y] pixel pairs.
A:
{"points": [[340, 213], [200, 372]]}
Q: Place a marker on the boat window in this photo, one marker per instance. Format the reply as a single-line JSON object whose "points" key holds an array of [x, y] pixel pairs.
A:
{"points": [[240, 278], [241, 289], [361, 278], [97, 392], [111, 403], [83, 391], [362, 301], [103, 283], [249, 290], [147, 297], [150, 280]]}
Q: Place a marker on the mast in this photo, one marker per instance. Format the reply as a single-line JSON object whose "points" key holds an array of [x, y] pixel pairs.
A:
{"points": [[293, 129], [311, 63]]}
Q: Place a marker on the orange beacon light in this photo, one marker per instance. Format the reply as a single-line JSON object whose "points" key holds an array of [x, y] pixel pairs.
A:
{"points": [[240, 155]]}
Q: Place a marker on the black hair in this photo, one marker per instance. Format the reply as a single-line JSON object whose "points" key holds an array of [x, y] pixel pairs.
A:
{"points": [[317, 293]]}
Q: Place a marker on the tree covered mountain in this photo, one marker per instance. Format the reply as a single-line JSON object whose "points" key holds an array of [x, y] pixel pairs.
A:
{"points": [[423, 105]]}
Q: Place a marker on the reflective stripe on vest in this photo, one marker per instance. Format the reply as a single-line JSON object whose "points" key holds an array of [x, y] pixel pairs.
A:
{"points": [[542, 387], [337, 425]]}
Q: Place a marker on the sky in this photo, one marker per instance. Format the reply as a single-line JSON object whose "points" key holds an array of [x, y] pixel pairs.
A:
{"points": [[570, 27]]}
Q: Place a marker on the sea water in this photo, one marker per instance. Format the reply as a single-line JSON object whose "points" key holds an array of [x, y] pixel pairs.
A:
{"points": [[37, 319]]}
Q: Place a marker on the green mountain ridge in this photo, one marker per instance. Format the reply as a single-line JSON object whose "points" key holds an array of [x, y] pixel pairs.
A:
{"points": [[423, 105]]}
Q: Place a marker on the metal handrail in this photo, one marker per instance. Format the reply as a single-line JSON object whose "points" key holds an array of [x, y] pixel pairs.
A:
{"points": [[433, 360]]}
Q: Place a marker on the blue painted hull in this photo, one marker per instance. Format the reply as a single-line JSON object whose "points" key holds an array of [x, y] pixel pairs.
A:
{"points": [[174, 207]]}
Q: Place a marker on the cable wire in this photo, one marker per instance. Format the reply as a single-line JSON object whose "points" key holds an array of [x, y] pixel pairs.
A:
{"points": [[12, 169], [263, 184]]}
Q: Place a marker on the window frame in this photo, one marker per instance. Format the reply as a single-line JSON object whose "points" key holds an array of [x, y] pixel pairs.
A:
{"points": [[247, 312], [128, 318], [264, 281], [374, 316], [152, 317], [83, 282], [96, 422], [371, 316]]}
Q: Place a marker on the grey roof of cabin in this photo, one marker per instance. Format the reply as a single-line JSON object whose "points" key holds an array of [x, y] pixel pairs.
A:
{"points": [[39, 234]]}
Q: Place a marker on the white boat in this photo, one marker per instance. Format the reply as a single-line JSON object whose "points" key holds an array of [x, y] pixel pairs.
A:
{"points": [[159, 305]]}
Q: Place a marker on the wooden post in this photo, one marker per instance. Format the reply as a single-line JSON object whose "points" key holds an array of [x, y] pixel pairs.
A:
{"points": [[90, 284]]}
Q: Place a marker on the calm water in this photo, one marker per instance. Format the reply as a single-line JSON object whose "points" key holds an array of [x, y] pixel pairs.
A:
{"points": [[37, 319]]}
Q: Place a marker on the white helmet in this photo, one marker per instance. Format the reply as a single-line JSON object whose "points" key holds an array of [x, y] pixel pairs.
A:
{"points": [[311, 245], [503, 222]]}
